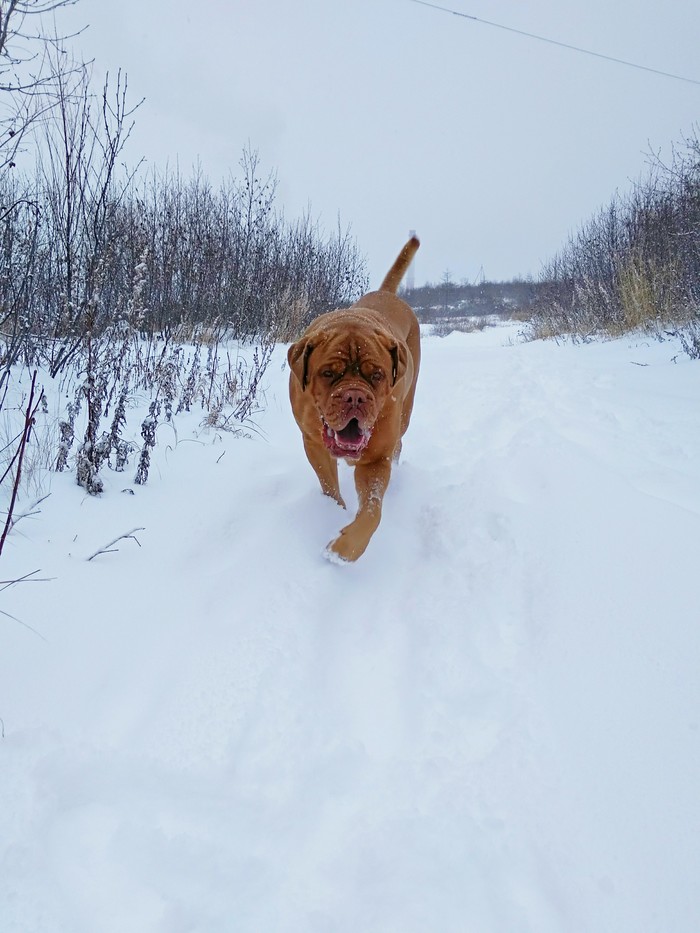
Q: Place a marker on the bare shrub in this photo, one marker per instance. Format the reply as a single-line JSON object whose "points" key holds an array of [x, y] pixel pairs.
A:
{"points": [[690, 338]]}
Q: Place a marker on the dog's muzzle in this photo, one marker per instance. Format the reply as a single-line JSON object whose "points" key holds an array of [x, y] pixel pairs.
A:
{"points": [[349, 441]]}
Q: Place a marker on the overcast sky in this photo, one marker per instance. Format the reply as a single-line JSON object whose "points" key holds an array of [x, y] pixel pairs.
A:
{"points": [[393, 116]]}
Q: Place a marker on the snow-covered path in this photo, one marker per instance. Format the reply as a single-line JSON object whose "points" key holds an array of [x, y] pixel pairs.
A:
{"points": [[490, 723]]}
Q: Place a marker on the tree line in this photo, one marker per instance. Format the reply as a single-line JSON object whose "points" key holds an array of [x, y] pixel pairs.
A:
{"points": [[76, 235], [635, 264], [479, 299]]}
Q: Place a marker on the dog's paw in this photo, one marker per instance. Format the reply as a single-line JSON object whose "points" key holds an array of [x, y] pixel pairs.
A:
{"points": [[347, 547], [333, 557]]}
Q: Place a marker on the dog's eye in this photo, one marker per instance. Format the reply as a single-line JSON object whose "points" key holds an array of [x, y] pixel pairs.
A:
{"points": [[377, 377], [328, 374]]}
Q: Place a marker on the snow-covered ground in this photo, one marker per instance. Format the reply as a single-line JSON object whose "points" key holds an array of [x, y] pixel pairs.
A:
{"points": [[489, 724]]}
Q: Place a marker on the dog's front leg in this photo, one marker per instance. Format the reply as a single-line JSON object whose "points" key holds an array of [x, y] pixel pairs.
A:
{"points": [[371, 481], [325, 467]]}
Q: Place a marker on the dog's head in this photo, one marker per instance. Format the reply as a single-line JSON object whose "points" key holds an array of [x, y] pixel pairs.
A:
{"points": [[350, 374]]}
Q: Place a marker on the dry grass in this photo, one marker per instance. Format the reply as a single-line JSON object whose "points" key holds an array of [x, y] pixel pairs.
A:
{"points": [[546, 328], [193, 334], [291, 317], [645, 294]]}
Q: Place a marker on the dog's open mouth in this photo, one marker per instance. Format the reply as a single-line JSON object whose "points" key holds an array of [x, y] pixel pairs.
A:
{"points": [[349, 441]]}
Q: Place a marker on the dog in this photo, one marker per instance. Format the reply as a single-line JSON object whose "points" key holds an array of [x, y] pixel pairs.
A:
{"points": [[352, 383]]}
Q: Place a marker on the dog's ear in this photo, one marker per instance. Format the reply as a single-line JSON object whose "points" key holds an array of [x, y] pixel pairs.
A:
{"points": [[399, 360], [298, 359]]}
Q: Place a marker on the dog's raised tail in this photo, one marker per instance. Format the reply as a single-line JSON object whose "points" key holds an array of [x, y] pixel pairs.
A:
{"points": [[392, 280]]}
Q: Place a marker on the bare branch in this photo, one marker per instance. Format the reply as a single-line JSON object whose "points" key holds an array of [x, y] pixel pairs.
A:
{"points": [[110, 549], [27, 578]]}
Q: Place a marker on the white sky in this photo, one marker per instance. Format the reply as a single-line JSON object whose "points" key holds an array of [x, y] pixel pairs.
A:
{"points": [[491, 146]]}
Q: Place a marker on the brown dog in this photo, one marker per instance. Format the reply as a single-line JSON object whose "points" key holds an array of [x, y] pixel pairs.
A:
{"points": [[352, 381]]}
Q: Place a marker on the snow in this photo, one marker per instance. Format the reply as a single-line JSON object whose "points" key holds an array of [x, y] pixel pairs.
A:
{"points": [[490, 722]]}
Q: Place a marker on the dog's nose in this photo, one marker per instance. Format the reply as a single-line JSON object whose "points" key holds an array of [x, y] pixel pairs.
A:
{"points": [[355, 398]]}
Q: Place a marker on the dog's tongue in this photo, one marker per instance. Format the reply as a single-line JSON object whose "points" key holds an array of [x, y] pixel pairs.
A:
{"points": [[351, 435], [349, 441]]}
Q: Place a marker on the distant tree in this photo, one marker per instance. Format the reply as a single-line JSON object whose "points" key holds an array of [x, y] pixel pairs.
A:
{"points": [[447, 286], [29, 56]]}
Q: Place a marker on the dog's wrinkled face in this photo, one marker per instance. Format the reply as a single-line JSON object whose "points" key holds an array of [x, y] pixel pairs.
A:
{"points": [[349, 376]]}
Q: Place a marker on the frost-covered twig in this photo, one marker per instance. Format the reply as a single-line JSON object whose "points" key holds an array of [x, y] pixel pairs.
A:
{"points": [[148, 433], [121, 448], [67, 429], [110, 549], [27, 578], [30, 413]]}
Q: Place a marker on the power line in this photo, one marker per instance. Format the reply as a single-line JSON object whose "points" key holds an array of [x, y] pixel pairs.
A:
{"points": [[563, 45]]}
